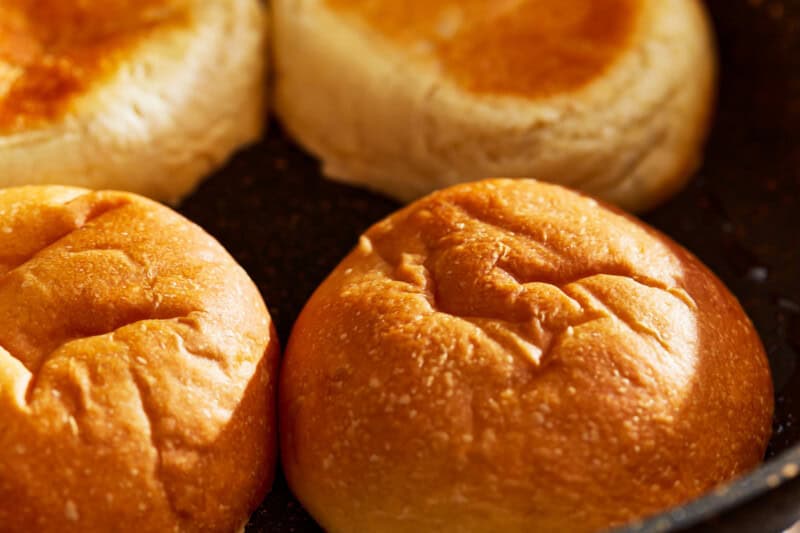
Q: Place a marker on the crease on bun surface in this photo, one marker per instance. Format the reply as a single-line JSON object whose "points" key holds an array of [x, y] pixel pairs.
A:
{"points": [[146, 96], [511, 356], [137, 369], [609, 96]]}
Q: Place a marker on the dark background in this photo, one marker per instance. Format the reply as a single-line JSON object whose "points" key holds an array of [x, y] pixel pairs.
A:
{"points": [[741, 214]]}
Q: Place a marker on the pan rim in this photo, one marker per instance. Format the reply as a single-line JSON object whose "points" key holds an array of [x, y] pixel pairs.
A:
{"points": [[779, 472]]}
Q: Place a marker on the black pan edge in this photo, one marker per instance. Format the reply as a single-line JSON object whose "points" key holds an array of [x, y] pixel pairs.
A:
{"points": [[767, 499]]}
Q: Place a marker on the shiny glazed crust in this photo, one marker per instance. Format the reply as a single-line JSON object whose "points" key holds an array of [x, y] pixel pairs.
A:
{"points": [[145, 96], [511, 356], [382, 112], [137, 369]]}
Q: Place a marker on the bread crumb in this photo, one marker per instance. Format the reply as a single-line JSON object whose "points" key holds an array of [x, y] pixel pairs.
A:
{"points": [[790, 471], [448, 379], [365, 245], [722, 491], [440, 436], [71, 511], [73, 425]]}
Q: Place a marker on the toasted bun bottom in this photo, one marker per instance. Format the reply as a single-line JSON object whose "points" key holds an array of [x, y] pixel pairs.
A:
{"points": [[383, 113], [152, 116]]}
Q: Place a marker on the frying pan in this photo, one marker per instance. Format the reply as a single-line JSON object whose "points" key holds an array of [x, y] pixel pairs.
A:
{"points": [[740, 215]]}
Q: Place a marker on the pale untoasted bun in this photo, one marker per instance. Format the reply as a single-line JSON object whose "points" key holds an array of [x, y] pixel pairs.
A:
{"points": [[612, 96], [146, 96], [511, 356], [137, 369]]}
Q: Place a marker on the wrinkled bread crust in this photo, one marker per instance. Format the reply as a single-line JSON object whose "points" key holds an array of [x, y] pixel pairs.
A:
{"points": [[511, 356], [137, 369]]}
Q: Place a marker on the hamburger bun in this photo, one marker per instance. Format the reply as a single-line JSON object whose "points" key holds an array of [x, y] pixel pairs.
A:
{"points": [[511, 356], [146, 96], [137, 369], [609, 96]]}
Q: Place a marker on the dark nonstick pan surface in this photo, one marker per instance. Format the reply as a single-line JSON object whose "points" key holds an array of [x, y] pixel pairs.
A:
{"points": [[740, 215]]}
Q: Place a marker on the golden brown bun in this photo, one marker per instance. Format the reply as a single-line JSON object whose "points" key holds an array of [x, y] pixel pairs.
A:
{"points": [[609, 96], [511, 356], [137, 369], [147, 96]]}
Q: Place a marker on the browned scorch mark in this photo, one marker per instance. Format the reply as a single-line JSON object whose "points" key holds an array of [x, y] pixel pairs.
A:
{"points": [[52, 51], [528, 48]]}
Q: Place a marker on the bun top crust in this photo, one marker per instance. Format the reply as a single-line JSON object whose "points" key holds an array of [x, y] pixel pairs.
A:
{"points": [[511, 356], [527, 48], [137, 363], [54, 50]]}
